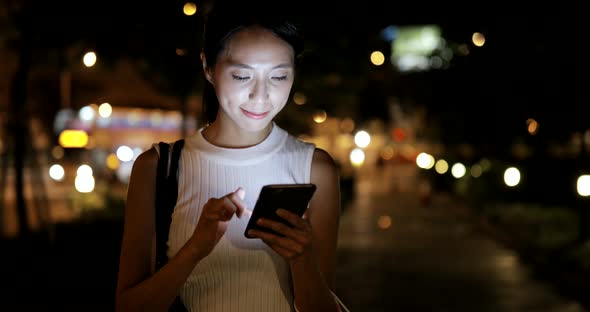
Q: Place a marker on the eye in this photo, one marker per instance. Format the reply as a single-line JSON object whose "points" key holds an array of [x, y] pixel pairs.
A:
{"points": [[280, 78], [240, 78]]}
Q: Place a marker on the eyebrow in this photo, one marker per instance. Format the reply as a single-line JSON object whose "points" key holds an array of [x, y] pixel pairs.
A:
{"points": [[241, 65]]}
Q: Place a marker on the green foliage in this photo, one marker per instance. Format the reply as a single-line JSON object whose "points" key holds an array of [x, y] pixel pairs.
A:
{"points": [[535, 226], [101, 203]]}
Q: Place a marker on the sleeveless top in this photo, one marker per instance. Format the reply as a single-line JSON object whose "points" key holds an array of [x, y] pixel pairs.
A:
{"points": [[240, 274]]}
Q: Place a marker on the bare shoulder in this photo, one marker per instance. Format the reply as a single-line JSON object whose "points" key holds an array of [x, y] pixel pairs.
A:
{"points": [[324, 168], [147, 159], [144, 168], [324, 211], [322, 160], [139, 227], [141, 196]]}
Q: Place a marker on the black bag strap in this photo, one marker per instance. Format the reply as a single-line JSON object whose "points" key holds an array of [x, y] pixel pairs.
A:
{"points": [[166, 196], [161, 190]]}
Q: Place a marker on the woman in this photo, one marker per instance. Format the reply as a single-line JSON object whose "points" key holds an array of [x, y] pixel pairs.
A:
{"points": [[249, 57]]}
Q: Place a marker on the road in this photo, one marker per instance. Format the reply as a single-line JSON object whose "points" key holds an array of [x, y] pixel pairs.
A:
{"points": [[398, 254]]}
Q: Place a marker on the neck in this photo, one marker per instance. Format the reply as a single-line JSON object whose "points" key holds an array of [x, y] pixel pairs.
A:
{"points": [[232, 137]]}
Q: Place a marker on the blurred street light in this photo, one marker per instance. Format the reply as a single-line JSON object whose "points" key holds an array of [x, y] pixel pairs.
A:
{"points": [[458, 170], [425, 160], [73, 139], [89, 59], [583, 185], [84, 182], [441, 166], [189, 9], [362, 139], [320, 116], [476, 171], [357, 157], [124, 153], [112, 161], [478, 39], [57, 172], [512, 176], [105, 110], [532, 126], [377, 58]]}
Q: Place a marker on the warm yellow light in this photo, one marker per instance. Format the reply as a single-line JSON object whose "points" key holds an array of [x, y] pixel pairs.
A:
{"points": [[377, 58], [105, 110], [57, 152], [112, 161], [189, 8], [299, 98], [384, 222], [532, 126], [478, 39], [89, 59], [357, 157], [441, 166], [320, 116], [73, 139]]}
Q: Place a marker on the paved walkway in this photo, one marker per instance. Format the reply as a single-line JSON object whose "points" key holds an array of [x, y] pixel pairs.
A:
{"points": [[396, 254]]}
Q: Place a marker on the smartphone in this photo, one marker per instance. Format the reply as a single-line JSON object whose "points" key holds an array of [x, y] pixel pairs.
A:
{"points": [[291, 197]]}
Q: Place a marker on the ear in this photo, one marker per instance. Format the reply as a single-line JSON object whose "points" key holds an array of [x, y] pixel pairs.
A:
{"points": [[206, 69]]}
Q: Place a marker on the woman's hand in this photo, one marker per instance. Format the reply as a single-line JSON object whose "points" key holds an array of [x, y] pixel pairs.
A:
{"points": [[295, 241], [213, 220]]}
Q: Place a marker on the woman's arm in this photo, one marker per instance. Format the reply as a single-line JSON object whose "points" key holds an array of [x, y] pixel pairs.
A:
{"points": [[313, 272], [310, 244], [137, 289]]}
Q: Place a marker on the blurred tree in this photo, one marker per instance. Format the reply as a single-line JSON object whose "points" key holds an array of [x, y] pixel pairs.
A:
{"points": [[18, 95], [159, 39]]}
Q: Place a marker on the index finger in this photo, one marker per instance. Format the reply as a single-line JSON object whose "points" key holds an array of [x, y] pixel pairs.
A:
{"points": [[237, 198]]}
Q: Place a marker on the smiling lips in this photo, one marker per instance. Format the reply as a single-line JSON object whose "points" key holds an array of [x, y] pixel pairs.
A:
{"points": [[254, 115]]}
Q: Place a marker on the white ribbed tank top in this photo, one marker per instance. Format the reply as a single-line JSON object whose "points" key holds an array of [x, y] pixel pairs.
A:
{"points": [[240, 274]]}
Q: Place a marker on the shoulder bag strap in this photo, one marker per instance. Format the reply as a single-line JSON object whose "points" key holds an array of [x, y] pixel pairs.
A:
{"points": [[161, 187], [166, 197]]}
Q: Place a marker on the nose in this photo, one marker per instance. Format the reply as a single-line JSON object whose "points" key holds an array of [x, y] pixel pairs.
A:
{"points": [[259, 92]]}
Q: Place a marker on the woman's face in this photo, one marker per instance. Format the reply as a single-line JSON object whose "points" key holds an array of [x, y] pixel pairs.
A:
{"points": [[253, 77]]}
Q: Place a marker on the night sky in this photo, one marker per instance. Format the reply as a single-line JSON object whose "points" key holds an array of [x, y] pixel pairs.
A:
{"points": [[532, 65]]}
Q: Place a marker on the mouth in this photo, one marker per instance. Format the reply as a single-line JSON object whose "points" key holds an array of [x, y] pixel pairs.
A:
{"points": [[254, 115]]}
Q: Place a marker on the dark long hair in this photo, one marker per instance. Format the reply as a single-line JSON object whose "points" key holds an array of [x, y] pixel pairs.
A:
{"points": [[228, 17]]}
